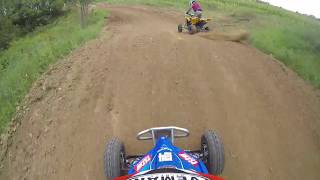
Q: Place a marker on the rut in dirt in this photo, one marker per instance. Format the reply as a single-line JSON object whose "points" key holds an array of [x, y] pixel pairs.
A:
{"points": [[141, 73]]}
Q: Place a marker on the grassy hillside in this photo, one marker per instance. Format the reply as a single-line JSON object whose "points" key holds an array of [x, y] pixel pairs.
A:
{"points": [[29, 57], [292, 38]]}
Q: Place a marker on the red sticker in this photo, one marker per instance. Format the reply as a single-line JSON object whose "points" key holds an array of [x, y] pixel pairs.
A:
{"points": [[188, 158], [142, 163]]}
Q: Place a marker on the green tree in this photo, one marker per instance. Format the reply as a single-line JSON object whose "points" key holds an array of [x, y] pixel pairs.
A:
{"points": [[7, 32], [18, 17], [84, 10]]}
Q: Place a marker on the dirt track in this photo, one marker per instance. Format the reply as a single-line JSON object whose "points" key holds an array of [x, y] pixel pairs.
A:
{"points": [[142, 73]]}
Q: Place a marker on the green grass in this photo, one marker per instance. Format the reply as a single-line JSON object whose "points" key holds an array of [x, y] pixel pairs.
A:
{"points": [[290, 37], [295, 43], [28, 57]]}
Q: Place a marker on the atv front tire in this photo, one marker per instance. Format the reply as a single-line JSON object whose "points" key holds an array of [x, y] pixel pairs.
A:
{"points": [[191, 29], [114, 158], [213, 152], [180, 28]]}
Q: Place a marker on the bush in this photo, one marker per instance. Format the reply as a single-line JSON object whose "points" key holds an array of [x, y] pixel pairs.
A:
{"points": [[18, 17], [7, 31]]}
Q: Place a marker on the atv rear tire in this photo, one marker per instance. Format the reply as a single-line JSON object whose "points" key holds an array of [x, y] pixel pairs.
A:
{"points": [[180, 28], [213, 152], [114, 159]]}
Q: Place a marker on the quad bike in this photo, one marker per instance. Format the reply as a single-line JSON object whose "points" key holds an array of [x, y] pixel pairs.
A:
{"points": [[194, 24], [165, 161]]}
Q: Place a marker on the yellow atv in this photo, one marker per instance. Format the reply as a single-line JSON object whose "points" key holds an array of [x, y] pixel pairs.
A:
{"points": [[194, 24]]}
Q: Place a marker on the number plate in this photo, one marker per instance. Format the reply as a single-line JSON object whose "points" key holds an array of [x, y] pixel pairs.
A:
{"points": [[169, 176]]}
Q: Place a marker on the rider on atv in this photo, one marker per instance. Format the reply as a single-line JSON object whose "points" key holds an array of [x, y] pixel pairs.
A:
{"points": [[196, 7]]}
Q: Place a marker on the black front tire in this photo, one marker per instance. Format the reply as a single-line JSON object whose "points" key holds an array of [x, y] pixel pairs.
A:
{"points": [[180, 28], [213, 152], [114, 159], [192, 29]]}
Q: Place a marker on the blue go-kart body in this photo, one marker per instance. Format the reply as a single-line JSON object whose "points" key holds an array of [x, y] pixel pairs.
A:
{"points": [[165, 161], [166, 155]]}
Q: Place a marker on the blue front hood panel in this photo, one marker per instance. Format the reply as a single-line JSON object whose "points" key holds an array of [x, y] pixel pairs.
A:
{"points": [[166, 155]]}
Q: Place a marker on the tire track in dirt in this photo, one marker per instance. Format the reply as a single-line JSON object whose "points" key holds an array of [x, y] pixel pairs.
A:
{"points": [[141, 73]]}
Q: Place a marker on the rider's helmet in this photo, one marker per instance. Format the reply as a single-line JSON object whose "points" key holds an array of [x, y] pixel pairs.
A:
{"points": [[191, 2]]}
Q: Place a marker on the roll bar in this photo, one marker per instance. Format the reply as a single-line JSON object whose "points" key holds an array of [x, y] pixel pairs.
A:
{"points": [[155, 133]]}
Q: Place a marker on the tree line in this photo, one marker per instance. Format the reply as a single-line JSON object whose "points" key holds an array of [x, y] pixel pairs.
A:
{"points": [[19, 17]]}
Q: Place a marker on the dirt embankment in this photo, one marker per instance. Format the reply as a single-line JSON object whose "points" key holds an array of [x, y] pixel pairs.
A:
{"points": [[142, 73]]}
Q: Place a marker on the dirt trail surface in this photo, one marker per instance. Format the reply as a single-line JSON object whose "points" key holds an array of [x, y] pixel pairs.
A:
{"points": [[141, 73]]}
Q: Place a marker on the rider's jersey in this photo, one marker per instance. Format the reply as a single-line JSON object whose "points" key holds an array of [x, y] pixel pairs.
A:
{"points": [[196, 7]]}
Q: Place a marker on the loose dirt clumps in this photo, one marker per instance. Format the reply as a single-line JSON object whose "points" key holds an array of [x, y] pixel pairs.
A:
{"points": [[235, 36]]}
